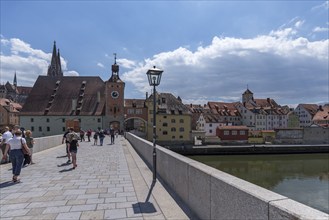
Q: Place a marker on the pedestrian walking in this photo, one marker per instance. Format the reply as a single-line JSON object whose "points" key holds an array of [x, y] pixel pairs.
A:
{"points": [[101, 137], [5, 137], [16, 145], [82, 135], [89, 134], [112, 135], [66, 140], [95, 138], [73, 146], [30, 143]]}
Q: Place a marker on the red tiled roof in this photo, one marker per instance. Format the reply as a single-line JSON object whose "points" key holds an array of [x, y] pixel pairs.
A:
{"points": [[311, 108], [322, 115], [224, 108], [137, 103]]}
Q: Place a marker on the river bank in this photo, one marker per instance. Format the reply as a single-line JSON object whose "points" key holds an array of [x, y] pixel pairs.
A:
{"points": [[248, 149]]}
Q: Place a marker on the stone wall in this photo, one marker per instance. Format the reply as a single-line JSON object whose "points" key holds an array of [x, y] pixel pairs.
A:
{"points": [[213, 194], [45, 143], [316, 135]]}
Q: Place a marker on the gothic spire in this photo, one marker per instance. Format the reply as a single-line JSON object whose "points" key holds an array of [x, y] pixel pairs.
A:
{"points": [[55, 68], [15, 80]]}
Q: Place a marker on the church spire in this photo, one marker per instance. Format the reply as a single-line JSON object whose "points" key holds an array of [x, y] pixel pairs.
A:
{"points": [[55, 68], [15, 80]]}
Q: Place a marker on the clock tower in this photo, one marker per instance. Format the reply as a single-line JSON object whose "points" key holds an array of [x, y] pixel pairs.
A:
{"points": [[114, 93]]}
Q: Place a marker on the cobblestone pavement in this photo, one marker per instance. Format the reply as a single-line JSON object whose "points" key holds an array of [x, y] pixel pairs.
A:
{"points": [[107, 184]]}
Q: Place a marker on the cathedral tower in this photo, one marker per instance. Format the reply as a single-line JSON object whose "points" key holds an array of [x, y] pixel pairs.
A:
{"points": [[55, 68]]}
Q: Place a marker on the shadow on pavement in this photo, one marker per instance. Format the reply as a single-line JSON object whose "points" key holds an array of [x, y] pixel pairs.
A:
{"points": [[66, 170], [145, 207], [7, 184], [63, 164]]}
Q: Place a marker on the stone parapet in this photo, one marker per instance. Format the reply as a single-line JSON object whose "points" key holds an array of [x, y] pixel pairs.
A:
{"points": [[213, 194]]}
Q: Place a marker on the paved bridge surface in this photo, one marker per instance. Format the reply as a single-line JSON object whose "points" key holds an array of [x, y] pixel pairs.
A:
{"points": [[110, 182]]}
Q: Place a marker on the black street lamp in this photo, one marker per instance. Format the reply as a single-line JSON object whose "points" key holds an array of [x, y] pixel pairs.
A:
{"points": [[154, 77]]}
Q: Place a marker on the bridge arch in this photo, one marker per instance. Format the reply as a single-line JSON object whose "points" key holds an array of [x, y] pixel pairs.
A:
{"points": [[136, 125]]}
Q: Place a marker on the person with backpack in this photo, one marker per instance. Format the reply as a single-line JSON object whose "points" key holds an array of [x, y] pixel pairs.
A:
{"points": [[73, 146]]}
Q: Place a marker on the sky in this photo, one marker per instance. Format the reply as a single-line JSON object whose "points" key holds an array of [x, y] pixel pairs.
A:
{"points": [[208, 50]]}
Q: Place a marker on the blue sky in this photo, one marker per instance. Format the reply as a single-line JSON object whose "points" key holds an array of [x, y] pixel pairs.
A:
{"points": [[209, 50]]}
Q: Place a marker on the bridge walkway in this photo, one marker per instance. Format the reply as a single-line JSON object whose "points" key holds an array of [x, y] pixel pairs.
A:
{"points": [[110, 182]]}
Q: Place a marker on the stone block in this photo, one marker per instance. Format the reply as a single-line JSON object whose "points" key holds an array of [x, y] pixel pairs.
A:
{"points": [[199, 190], [290, 209]]}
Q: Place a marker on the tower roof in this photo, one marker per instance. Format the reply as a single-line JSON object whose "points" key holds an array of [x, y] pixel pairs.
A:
{"points": [[55, 68], [115, 71]]}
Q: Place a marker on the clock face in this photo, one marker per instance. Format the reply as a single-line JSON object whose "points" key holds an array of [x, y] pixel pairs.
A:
{"points": [[115, 94]]}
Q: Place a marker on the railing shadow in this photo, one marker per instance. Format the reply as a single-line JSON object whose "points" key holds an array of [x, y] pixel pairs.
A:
{"points": [[147, 206]]}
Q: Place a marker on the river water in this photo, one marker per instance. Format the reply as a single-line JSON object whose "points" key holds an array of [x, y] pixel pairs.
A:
{"points": [[301, 177]]}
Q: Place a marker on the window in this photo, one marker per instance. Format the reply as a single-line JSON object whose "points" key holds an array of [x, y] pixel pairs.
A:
{"points": [[210, 131], [32, 119], [139, 111], [226, 132], [173, 129], [164, 132], [181, 129], [32, 128], [130, 111], [181, 120], [40, 128], [48, 128], [98, 120], [173, 121], [181, 137], [63, 129], [47, 120], [234, 132], [63, 120], [173, 137], [210, 125], [165, 124]]}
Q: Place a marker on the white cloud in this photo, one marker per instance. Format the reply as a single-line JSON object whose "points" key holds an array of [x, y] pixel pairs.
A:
{"points": [[298, 24], [320, 29], [129, 64], [100, 65], [277, 65], [71, 73], [324, 5], [18, 56]]}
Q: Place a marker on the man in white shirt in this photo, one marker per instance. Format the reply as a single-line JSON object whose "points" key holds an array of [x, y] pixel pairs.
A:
{"points": [[5, 137]]}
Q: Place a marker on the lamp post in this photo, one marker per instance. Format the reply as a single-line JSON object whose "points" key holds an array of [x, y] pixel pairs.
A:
{"points": [[154, 77]]}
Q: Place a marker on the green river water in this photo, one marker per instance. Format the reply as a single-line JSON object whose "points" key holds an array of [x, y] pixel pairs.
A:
{"points": [[301, 177]]}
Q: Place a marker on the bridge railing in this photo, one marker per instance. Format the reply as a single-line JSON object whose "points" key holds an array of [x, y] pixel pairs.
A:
{"points": [[44, 143], [212, 194]]}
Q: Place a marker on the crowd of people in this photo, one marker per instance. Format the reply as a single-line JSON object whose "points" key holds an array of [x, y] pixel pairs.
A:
{"points": [[71, 139], [17, 146]]}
